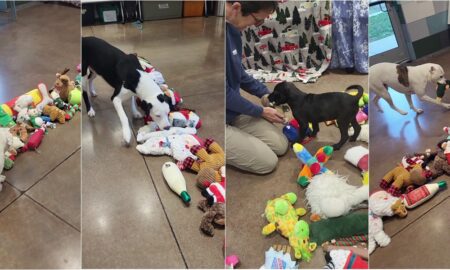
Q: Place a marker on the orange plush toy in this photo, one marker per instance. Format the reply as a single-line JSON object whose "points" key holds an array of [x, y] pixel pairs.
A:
{"points": [[54, 113], [64, 85]]}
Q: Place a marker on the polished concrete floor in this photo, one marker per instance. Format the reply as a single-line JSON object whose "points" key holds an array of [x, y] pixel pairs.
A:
{"points": [[131, 219], [421, 239], [40, 201], [248, 193]]}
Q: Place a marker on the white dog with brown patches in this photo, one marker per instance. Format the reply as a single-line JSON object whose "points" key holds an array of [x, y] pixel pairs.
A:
{"points": [[408, 80]]}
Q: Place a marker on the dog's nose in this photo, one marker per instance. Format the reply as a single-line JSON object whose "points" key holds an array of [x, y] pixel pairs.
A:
{"points": [[167, 127]]}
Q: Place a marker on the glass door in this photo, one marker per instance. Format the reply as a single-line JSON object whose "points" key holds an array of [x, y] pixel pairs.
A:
{"points": [[386, 41]]}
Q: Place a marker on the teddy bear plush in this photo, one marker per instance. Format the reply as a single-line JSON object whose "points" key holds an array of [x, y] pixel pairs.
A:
{"points": [[21, 130], [64, 85], [214, 214], [400, 177], [54, 113], [215, 159], [382, 204]]}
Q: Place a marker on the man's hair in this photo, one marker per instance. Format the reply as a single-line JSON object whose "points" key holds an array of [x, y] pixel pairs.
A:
{"points": [[248, 7]]}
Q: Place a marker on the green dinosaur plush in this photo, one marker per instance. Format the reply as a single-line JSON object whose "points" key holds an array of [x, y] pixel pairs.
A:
{"points": [[299, 241], [282, 216], [6, 119]]}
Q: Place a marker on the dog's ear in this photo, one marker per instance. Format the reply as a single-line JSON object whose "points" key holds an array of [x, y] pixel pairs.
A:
{"points": [[432, 69], [146, 107], [161, 98]]}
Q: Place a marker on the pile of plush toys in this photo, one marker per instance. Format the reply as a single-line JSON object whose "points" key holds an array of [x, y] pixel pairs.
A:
{"points": [[205, 157], [24, 120], [331, 201], [407, 186]]}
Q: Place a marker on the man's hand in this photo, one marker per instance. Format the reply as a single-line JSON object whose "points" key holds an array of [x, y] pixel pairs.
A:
{"points": [[272, 115]]}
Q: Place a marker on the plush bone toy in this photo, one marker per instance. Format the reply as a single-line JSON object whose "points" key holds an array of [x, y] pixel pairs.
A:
{"points": [[382, 204]]}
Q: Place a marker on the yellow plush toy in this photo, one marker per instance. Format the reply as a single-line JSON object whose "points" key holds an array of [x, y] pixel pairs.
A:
{"points": [[54, 113]]}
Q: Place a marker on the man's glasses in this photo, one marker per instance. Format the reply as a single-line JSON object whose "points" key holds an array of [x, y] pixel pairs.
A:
{"points": [[258, 22]]}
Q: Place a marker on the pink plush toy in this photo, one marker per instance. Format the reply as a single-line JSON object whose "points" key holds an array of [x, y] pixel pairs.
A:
{"points": [[361, 117]]}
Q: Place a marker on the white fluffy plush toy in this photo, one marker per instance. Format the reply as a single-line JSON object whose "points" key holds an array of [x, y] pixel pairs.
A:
{"points": [[382, 204], [152, 131], [6, 141], [363, 135], [329, 195], [46, 99], [177, 146]]}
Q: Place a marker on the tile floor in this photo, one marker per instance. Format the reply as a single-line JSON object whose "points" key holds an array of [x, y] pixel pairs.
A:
{"points": [[40, 202], [248, 193], [130, 216], [418, 240]]}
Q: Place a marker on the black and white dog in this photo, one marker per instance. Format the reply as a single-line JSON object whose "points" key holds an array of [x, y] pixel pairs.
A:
{"points": [[315, 108], [124, 73]]}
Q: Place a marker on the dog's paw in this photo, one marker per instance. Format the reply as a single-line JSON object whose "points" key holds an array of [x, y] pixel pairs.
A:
{"points": [[91, 112], [137, 115], [127, 137], [418, 111], [446, 105], [2, 178], [402, 112], [352, 139]]}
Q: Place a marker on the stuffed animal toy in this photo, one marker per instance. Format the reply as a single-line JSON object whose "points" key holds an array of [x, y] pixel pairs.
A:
{"points": [[185, 118], [64, 85], [363, 135], [382, 204], [174, 99], [358, 156], [440, 90], [361, 117], [215, 192], [438, 162], [10, 155], [215, 159], [6, 120], [55, 113], [22, 103], [6, 141], [399, 178], [152, 130], [35, 140], [312, 165], [330, 196], [283, 217], [176, 146], [57, 101], [344, 259], [35, 118], [214, 214], [21, 130], [291, 129], [46, 99]]}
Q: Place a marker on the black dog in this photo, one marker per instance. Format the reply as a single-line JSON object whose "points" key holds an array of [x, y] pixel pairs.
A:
{"points": [[316, 108]]}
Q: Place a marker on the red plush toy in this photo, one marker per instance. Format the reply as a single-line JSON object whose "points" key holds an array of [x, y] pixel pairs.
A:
{"points": [[34, 140]]}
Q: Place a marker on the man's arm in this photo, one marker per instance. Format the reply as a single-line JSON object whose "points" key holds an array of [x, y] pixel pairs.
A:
{"points": [[237, 103], [251, 85]]}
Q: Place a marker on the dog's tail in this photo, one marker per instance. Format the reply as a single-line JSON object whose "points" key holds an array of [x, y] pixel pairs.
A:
{"points": [[359, 88]]}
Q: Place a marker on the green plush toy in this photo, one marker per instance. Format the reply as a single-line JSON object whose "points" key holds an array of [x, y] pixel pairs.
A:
{"points": [[75, 96], [299, 240], [6, 119], [440, 90], [9, 163], [355, 223], [282, 216]]}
